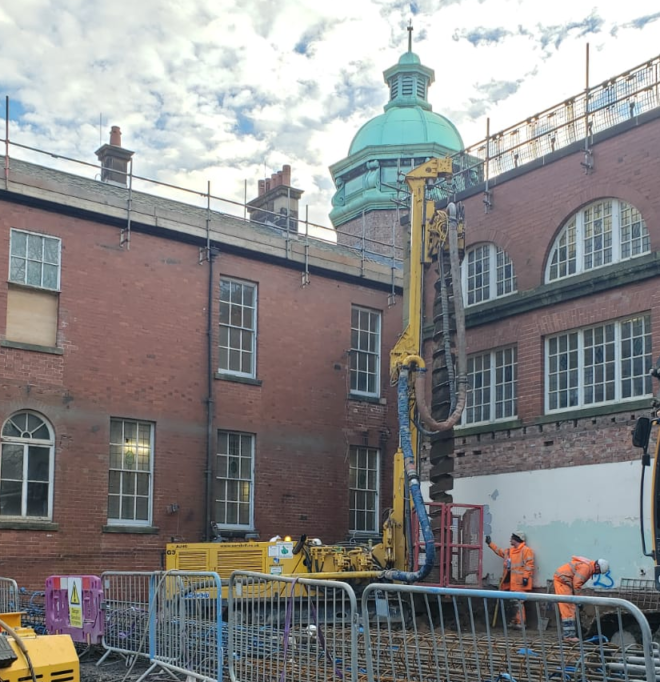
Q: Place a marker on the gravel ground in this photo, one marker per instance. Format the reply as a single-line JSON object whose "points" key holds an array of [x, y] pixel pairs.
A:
{"points": [[114, 668]]}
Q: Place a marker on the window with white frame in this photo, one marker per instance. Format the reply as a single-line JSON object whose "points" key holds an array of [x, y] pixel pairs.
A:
{"points": [[364, 484], [607, 231], [130, 484], [365, 351], [238, 327], [26, 467], [606, 363], [492, 386], [234, 479], [487, 273], [34, 260]]}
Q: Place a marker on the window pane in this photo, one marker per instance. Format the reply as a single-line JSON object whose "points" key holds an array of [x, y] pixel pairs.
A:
{"points": [[10, 498], [113, 507], [18, 243], [17, 271], [142, 509], [142, 484], [12, 462], [37, 499], [38, 464], [51, 251], [114, 483], [128, 483], [50, 277], [33, 273], [127, 508], [35, 247]]}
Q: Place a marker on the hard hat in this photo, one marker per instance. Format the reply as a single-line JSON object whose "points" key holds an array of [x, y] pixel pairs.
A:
{"points": [[519, 535], [604, 565]]}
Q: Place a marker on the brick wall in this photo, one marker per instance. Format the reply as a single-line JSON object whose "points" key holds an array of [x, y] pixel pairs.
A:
{"points": [[528, 212], [132, 325]]}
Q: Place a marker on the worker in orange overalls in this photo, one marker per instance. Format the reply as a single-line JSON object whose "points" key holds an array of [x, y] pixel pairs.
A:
{"points": [[518, 571], [571, 577]]}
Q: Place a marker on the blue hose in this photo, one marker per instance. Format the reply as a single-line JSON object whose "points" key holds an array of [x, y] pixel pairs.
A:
{"points": [[414, 486]]}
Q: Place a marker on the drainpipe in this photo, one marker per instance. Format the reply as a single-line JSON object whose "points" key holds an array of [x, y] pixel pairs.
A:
{"points": [[210, 401]]}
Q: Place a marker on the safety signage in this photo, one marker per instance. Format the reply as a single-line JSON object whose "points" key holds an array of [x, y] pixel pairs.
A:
{"points": [[75, 602], [282, 550]]}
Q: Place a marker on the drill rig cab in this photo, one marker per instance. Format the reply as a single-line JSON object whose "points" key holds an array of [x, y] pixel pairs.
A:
{"points": [[436, 236]]}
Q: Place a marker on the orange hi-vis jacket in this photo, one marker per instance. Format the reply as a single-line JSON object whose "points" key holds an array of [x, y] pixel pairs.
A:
{"points": [[518, 564], [576, 572]]}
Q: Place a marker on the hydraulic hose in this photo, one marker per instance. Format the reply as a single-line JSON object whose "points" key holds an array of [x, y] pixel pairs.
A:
{"points": [[461, 378], [413, 484]]}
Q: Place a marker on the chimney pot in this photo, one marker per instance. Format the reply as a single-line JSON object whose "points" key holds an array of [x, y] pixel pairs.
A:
{"points": [[262, 187], [115, 136], [286, 175]]}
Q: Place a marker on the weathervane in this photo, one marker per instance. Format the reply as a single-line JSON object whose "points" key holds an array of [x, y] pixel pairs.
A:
{"points": [[410, 30]]}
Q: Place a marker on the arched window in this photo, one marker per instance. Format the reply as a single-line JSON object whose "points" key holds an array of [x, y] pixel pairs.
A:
{"points": [[604, 232], [487, 273], [26, 467]]}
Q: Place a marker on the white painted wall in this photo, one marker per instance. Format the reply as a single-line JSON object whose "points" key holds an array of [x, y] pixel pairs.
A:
{"points": [[591, 510]]}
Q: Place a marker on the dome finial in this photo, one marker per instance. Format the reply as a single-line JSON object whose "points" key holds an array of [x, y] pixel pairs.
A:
{"points": [[410, 30]]}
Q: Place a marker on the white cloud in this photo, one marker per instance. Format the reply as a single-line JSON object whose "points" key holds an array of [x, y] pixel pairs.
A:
{"points": [[229, 90]]}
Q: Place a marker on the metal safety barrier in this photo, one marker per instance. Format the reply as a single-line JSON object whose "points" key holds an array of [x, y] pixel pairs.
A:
{"points": [[32, 605], [9, 599], [127, 599], [291, 628], [442, 634], [186, 625]]}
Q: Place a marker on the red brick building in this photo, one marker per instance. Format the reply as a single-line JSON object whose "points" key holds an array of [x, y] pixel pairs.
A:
{"points": [[169, 391], [563, 317]]}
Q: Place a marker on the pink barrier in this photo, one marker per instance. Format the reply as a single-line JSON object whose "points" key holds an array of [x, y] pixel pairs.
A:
{"points": [[74, 606]]}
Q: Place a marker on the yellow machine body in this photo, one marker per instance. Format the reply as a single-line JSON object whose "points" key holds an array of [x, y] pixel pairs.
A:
{"points": [[53, 657], [272, 558]]}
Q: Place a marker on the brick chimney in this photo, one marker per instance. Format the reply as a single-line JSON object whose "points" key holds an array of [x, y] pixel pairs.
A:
{"points": [[277, 202], [114, 159]]}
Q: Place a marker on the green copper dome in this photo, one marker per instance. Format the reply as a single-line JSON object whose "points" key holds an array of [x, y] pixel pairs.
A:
{"points": [[407, 125], [387, 146]]}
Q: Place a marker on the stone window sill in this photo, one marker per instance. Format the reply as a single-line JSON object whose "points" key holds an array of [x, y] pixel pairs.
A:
{"points": [[222, 376], [138, 530], [374, 400], [32, 347], [29, 525]]}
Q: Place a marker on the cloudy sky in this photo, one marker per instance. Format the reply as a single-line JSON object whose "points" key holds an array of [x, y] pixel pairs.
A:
{"points": [[227, 91]]}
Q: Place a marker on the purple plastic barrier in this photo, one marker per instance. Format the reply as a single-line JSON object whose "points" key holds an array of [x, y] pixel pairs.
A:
{"points": [[74, 606]]}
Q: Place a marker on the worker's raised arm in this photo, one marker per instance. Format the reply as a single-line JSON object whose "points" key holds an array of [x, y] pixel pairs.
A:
{"points": [[497, 550], [528, 564]]}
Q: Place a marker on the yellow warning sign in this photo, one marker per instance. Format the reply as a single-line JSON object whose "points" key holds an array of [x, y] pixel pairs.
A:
{"points": [[75, 603]]}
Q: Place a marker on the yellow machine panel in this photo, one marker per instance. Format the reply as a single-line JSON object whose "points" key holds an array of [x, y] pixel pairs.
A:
{"points": [[274, 558], [47, 658]]}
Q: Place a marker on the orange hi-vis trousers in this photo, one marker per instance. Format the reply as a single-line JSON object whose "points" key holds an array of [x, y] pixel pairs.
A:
{"points": [[567, 611]]}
